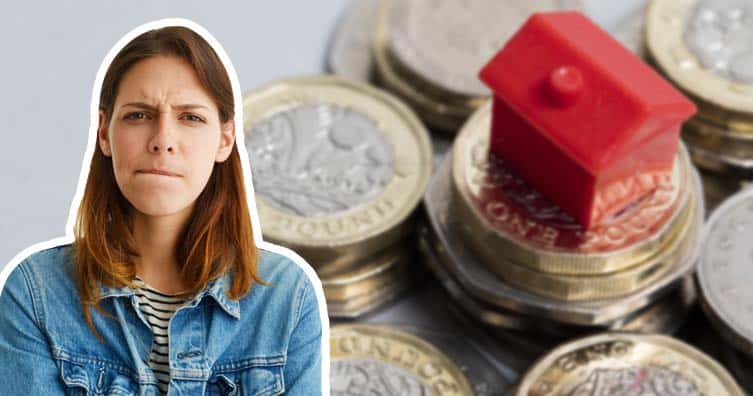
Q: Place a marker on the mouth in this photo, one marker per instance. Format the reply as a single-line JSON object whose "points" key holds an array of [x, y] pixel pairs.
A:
{"points": [[157, 172]]}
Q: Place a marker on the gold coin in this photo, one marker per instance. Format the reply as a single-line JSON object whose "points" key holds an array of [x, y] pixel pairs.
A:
{"points": [[724, 143], [678, 41], [738, 124], [379, 360], [718, 163], [363, 277], [618, 363], [663, 316], [481, 283], [505, 220], [370, 301], [490, 316], [599, 287], [338, 167]]}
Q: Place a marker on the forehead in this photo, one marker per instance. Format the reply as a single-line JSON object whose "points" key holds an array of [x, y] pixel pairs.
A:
{"points": [[163, 79]]}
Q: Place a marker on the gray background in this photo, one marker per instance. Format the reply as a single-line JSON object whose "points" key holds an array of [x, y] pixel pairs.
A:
{"points": [[52, 51]]}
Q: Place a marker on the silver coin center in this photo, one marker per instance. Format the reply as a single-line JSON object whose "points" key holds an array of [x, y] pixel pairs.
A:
{"points": [[720, 35], [636, 381], [317, 160], [371, 377], [727, 267]]}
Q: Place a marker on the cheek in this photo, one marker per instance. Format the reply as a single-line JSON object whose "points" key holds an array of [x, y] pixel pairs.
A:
{"points": [[126, 148], [202, 153]]}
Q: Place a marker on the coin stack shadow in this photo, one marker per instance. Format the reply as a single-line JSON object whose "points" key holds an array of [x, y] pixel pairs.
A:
{"points": [[513, 261], [704, 50]]}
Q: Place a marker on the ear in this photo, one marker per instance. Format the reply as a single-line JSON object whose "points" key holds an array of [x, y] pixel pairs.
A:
{"points": [[227, 139], [102, 137]]}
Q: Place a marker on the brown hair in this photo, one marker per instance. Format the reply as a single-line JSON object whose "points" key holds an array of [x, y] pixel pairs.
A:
{"points": [[218, 236]]}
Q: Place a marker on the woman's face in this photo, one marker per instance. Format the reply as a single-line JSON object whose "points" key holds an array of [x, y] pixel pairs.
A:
{"points": [[164, 121]]}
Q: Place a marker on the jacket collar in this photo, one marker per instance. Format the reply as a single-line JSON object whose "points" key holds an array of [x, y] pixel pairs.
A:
{"points": [[215, 288]]}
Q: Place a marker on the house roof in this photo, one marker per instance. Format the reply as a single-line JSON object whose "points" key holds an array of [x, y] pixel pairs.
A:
{"points": [[579, 86]]}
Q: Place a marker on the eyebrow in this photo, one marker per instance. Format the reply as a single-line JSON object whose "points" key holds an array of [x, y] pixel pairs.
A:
{"points": [[147, 106]]}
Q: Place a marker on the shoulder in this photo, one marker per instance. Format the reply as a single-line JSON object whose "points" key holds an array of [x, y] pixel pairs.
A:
{"points": [[289, 288], [49, 267], [41, 283], [283, 269]]}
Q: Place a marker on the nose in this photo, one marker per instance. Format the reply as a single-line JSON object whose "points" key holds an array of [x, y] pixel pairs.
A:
{"points": [[163, 139]]}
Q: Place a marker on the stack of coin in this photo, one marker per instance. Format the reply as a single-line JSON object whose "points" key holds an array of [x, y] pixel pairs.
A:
{"points": [[429, 53], [513, 260], [703, 47], [725, 272], [621, 364], [383, 360], [339, 168], [350, 52]]}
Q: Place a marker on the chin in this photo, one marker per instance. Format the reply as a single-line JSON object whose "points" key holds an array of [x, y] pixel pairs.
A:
{"points": [[153, 207]]}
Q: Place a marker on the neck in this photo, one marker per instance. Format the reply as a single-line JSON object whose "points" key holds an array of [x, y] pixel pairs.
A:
{"points": [[156, 240]]}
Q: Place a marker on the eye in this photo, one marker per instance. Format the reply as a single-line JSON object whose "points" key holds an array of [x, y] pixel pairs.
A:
{"points": [[193, 117], [137, 115]]}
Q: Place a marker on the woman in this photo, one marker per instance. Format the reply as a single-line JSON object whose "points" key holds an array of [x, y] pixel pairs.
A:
{"points": [[183, 299]]}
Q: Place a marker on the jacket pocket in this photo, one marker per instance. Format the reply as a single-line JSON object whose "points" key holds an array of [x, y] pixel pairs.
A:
{"points": [[250, 381], [95, 379]]}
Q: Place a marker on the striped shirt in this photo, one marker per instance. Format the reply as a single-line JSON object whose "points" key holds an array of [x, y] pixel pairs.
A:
{"points": [[158, 308]]}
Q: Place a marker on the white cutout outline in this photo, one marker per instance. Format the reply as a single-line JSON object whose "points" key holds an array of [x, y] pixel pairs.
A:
{"points": [[246, 171]]}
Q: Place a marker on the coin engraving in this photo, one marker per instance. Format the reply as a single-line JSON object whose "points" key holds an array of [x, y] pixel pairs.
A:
{"points": [[591, 353], [515, 207], [703, 46], [319, 159], [371, 377], [719, 33], [636, 381], [725, 269], [643, 365], [377, 360]]}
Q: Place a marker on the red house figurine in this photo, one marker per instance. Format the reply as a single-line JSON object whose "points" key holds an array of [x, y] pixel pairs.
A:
{"points": [[580, 117]]}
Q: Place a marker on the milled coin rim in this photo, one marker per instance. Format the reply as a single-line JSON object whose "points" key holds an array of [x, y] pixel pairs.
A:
{"points": [[369, 275], [726, 324], [500, 318], [597, 287], [491, 317], [686, 350], [665, 29], [678, 304], [407, 201], [372, 300], [720, 163], [718, 140], [512, 248], [485, 286], [404, 338]]}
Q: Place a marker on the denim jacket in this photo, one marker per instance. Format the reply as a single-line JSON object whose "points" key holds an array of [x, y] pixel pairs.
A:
{"points": [[267, 343]]}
